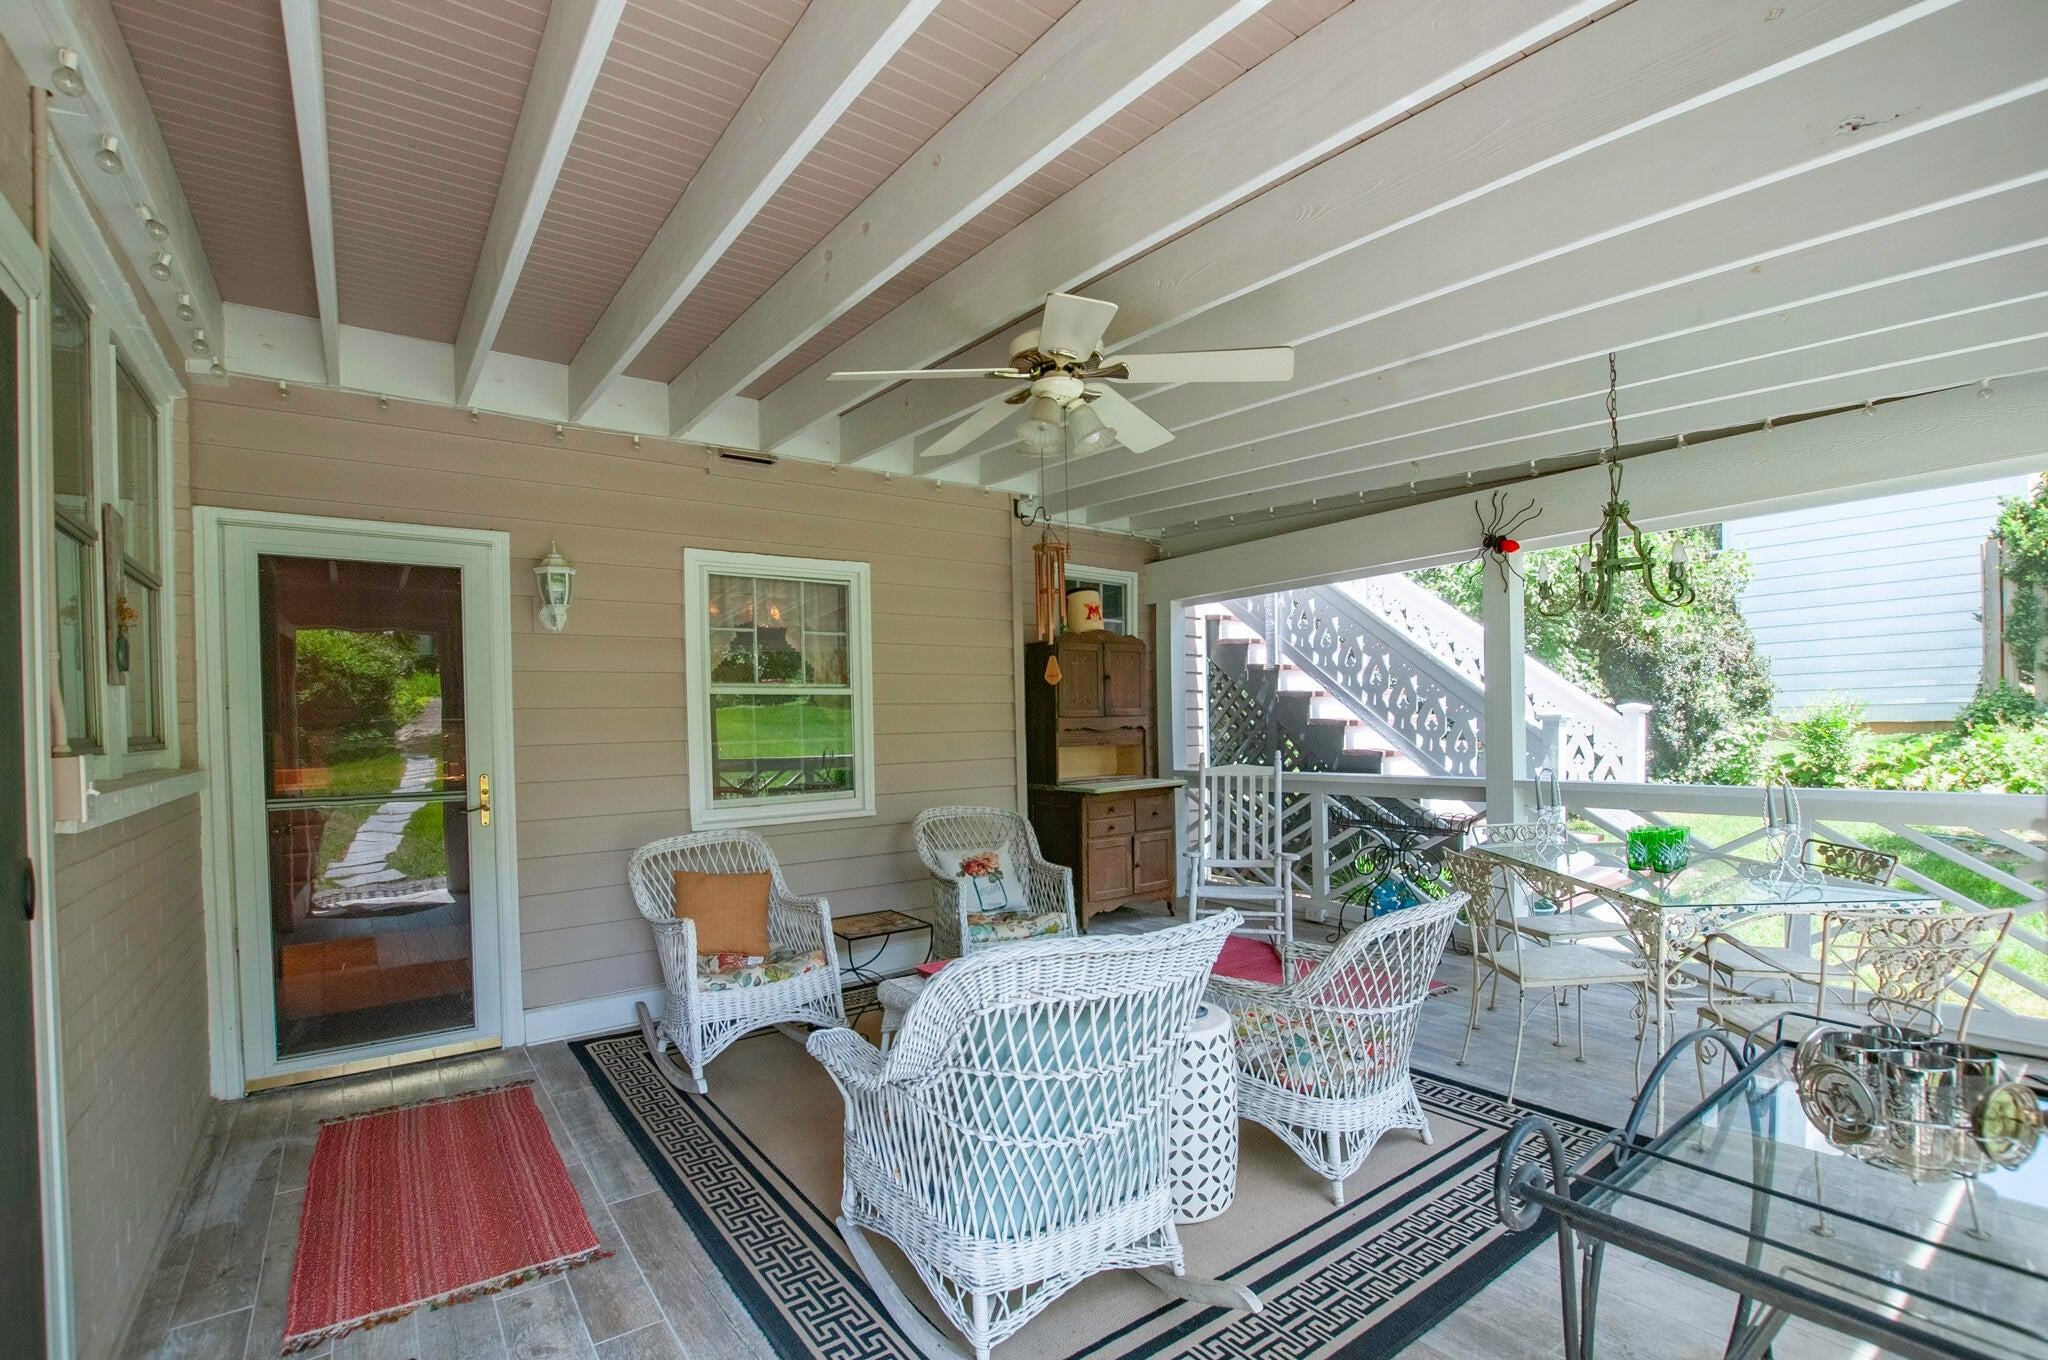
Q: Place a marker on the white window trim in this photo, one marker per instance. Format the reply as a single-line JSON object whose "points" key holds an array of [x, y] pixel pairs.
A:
{"points": [[699, 565], [1081, 571], [119, 333]]}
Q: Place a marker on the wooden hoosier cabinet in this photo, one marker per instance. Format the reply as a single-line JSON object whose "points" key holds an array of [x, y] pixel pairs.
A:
{"points": [[1088, 751]]}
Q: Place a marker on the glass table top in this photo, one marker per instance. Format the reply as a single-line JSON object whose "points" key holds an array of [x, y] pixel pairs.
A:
{"points": [[1706, 882], [1749, 1179]]}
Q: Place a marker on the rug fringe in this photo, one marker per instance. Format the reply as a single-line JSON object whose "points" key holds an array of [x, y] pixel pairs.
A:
{"points": [[511, 1279], [429, 1101]]}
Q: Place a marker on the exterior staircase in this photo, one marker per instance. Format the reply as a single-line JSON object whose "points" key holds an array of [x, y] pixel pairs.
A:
{"points": [[1382, 676]]}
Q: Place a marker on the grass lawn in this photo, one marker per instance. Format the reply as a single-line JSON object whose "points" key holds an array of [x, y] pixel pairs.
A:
{"points": [[421, 852], [783, 727]]}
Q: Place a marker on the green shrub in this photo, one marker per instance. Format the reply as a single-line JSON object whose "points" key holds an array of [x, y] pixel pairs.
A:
{"points": [[2002, 703], [1827, 744], [1733, 755], [1993, 757], [348, 681]]}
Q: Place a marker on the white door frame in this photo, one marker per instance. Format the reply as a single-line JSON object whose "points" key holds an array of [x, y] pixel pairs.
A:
{"points": [[24, 278], [488, 671]]}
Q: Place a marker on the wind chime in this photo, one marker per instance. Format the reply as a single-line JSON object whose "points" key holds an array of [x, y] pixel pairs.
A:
{"points": [[1049, 559]]}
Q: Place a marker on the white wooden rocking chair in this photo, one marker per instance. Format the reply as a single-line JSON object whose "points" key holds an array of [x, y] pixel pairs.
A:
{"points": [[1013, 1141], [1240, 860]]}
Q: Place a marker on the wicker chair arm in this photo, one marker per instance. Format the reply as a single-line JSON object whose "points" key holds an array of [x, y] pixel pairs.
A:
{"points": [[799, 923], [1238, 995], [675, 945], [854, 1063], [1051, 888]]}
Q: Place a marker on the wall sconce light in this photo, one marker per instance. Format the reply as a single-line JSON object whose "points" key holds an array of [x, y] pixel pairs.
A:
{"points": [[557, 581]]}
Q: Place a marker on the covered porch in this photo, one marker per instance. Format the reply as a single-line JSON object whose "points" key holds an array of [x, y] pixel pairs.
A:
{"points": [[628, 609]]}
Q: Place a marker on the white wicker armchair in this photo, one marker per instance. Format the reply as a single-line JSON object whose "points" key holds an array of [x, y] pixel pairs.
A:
{"points": [[1322, 1057], [1013, 1141], [699, 1017], [943, 834]]}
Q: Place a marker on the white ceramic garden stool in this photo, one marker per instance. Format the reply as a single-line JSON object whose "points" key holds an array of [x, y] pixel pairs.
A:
{"points": [[1201, 1146], [897, 995]]}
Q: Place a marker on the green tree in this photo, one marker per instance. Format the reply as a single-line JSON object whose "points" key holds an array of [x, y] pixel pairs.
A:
{"points": [[1697, 667], [2023, 532]]}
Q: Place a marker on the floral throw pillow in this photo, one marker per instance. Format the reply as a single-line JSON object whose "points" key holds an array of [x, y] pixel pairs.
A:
{"points": [[988, 881]]}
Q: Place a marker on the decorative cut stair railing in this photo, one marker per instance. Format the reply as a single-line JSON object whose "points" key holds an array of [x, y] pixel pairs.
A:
{"points": [[1411, 667]]}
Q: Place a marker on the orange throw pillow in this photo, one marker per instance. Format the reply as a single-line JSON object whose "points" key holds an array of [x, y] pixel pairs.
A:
{"points": [[731, 910]]}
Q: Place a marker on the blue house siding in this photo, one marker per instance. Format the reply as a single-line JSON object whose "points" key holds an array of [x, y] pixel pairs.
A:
{"points": [[1876, 600]]}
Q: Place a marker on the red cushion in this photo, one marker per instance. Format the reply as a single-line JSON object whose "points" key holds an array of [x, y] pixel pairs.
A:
{"points": [[1250, 960]]}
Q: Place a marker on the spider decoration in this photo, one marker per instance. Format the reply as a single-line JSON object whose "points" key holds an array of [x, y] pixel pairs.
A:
{"points": [[1497, 542]]}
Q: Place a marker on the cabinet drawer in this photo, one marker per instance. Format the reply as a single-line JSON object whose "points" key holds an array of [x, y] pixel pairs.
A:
{"points": [[1119, 806], [1155, 811], [1104, 827]]}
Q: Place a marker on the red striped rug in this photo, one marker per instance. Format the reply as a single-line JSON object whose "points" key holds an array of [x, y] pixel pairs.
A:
{"points": [[430, 1204]]}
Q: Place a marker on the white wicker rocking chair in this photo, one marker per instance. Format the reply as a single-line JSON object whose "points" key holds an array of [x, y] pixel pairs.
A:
{"points": [[701, 1022], [1322, 1058], [1013, 1141], [1048, 887]]}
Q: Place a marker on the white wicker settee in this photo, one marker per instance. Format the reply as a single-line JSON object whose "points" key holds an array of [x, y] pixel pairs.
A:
{"points": [[1013, 1141], [960, 924], [1322, 1057], [707, 1008]]}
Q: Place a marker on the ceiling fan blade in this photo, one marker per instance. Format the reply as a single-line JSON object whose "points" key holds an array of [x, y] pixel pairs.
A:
{"points": [[1073, 325], [902, 374], [1206, 365], [973, 426], [1135, 430]]}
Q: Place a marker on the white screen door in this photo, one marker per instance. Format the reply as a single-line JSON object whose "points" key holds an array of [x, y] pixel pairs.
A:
{"points": [[364, 682]]}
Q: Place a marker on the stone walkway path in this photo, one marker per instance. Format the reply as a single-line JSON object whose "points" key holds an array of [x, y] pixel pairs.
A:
{"points": [[366, 864]]}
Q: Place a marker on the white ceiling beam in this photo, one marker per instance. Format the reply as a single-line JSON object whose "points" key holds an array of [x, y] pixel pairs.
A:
{"points": [[1092, 63], [1926, 442], [1359, 70], [572, 51], [831, 55], [1870, 368], [1399, 430], [1443, 360], [309, 111], [1647, 211], [1910, 205], [115, 103], [1594, 88]]}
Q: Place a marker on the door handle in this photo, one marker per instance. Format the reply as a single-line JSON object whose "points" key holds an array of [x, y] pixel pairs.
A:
{"points": [[483, 800], [28, 890]]}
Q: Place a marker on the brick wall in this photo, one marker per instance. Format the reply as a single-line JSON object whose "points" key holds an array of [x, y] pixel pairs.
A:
{"points": [[131, 989]]}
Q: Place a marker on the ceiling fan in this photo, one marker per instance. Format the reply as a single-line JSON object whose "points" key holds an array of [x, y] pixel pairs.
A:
{"points": [[1069, 401]]}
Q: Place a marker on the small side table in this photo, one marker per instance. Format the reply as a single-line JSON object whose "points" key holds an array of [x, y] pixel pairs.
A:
{"points": [[897, 995], [1201, 1144], [878, 927]]}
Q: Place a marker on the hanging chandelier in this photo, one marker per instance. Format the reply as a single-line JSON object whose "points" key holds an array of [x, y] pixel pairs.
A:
{"points": [[1598, 566]]}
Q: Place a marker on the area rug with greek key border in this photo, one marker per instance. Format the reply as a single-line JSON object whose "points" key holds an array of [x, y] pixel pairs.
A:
{"points": [[754, 1170]]}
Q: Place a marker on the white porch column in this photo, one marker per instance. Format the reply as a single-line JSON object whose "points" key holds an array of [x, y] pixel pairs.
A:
{"points": [[1507, 728]]}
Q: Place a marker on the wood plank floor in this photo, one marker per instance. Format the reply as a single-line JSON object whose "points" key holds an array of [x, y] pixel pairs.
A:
{"points": [[218, 1292]]}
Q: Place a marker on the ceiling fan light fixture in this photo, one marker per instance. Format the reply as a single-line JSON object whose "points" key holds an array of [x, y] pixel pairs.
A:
{"points": [[1086, 431]]}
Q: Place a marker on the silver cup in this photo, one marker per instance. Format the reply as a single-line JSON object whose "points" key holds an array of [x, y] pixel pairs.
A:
{"points": [[1921, 1108], [1977, 1070]]}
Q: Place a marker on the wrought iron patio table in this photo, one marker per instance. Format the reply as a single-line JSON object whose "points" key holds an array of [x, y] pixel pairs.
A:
{"points": [[1746, 1193], [1669, 916]]}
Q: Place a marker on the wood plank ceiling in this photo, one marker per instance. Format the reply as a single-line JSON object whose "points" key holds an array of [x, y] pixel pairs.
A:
{"points": [[631, 214]]}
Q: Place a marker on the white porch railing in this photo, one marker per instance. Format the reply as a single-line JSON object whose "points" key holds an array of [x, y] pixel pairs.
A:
{"points": [[1971, 850]]}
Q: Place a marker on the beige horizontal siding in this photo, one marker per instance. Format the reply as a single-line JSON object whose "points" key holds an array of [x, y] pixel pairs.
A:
{"points": [[599, 711]]}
